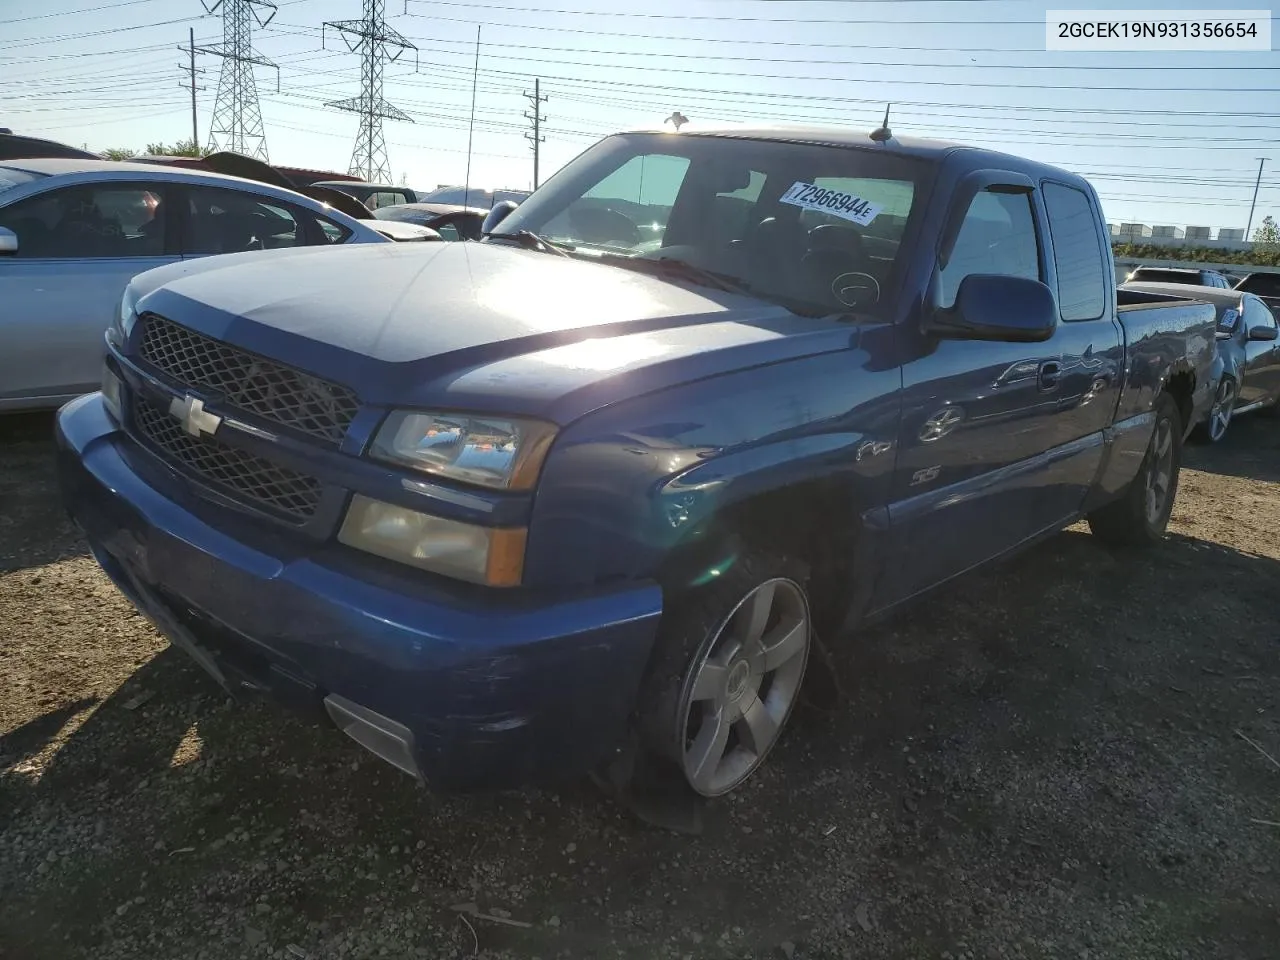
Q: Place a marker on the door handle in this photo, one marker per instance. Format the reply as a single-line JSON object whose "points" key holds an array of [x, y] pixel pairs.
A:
{"points": [[1050, 370]]}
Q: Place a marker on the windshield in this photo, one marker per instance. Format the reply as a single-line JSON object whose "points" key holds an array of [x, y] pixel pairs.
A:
{"points": [[402, 214], [10, 178], [1263, 284], [803, 223]]}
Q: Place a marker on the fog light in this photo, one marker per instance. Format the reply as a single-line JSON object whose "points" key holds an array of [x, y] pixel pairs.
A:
{"points": [[487, 555], [111, 389]]}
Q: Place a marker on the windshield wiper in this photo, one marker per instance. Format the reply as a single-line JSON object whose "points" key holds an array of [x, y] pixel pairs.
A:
{"points": [[531, 241], [683, 270]]}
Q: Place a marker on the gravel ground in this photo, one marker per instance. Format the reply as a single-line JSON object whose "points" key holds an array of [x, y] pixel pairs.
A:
{"points": [[1045, 760]]}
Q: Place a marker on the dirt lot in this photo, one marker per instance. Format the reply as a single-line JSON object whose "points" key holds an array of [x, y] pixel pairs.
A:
{"points": [[1043, 761]]}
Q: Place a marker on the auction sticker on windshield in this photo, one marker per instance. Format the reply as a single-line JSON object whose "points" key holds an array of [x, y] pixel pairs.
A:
{"points": [[843, 205]]}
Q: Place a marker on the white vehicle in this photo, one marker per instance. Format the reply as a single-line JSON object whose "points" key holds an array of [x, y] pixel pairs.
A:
{"points": [[73, 233]]}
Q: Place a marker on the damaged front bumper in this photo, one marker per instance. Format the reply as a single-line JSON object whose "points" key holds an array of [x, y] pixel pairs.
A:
{"points": [[461, 688]]}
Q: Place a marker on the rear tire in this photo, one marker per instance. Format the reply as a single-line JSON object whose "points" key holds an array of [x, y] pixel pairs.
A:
{"points": [[1224, 404], [1141, 516]]}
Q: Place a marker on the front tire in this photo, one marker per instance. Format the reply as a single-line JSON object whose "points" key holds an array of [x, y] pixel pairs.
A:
{"points": [[1141, 516], [727, 672], [1224, 404]]}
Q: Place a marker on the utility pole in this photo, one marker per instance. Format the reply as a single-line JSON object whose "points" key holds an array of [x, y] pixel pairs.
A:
{"points": [[237, 118], [536, 100], [191, 49], [1257, 183], [372, 38]]}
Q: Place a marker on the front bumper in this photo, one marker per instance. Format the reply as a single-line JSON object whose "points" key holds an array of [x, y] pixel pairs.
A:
{"points": [[473, 690]]}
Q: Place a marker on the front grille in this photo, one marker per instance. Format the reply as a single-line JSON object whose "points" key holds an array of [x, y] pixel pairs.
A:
{"points": [[260, 386], [243, 476]]}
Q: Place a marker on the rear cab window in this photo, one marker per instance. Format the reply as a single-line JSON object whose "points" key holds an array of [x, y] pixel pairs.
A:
{"points": [[1083, 291]]}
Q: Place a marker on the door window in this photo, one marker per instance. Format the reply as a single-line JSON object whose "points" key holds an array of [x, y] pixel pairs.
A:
{"points": [[228, 221], [1077, 253], [90, 220], [331, 232], [998, 236], [1257, 314]]}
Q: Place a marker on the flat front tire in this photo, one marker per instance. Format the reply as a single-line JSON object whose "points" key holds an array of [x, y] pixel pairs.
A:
{"points": [[727, 671], [1141, 516]]}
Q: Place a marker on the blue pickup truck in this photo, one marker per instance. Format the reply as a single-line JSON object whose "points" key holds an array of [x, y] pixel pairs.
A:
{"points": [[596, 486]]}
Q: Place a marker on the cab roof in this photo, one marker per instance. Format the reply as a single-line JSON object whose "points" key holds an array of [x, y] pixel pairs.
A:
{"points": [[969, 156]]}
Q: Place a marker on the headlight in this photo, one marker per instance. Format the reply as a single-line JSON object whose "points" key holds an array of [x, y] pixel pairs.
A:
{"points": [[498, 452], [128, 313], [111, 393], [488, 555]]}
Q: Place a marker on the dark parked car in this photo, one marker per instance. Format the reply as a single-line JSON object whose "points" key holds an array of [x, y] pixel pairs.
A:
{"points": [[524, 508], [473, 196], [1247, 369], [17, 147], [1196, 278], [451, 221], [372, 195], [1265, 286]]}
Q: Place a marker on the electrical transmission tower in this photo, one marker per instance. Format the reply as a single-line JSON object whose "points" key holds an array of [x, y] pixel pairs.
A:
{"points": [[536, 139], [237, 119], [378, 45]]}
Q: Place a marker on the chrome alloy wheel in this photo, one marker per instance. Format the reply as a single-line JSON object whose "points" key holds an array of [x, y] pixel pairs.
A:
{"points": [[738, 694], [1223, 406], [1160, 471]]}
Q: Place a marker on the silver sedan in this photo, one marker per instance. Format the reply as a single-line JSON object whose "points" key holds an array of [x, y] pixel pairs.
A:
{"points": [[74, 232]]}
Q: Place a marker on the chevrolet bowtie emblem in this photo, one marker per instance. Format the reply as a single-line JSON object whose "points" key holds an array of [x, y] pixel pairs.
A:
{"points": [[196, 420]]}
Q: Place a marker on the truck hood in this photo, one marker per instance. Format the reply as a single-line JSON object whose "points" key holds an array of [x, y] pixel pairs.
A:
{"points": [[475, 325]]}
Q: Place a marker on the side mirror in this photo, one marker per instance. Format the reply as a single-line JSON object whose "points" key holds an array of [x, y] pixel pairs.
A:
{"points": [[8, 241], [996, 307], [1263, 331], [499, 212]]}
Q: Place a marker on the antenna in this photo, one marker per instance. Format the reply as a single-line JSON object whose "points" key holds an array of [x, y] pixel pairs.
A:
{"points": [[471, 127], [884, 133]]}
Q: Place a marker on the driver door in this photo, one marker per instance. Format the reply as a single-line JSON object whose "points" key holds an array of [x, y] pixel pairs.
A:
{"points": [[976, 415]]}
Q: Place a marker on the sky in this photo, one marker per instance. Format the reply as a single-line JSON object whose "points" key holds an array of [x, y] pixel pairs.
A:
{"points": [[1167, 138]]}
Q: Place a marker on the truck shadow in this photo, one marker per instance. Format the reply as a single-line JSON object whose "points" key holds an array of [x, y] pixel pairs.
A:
{"points": [[1024, 703], [1250, 450], [34, 529]]}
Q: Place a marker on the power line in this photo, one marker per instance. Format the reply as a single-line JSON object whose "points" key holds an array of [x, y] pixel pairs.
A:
{"points": [[862, 80], [33, 41], [542, 11], [792, 97], [73, 13], [650, 55]]}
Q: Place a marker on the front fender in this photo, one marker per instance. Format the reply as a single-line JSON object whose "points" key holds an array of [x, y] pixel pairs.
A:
{"points": [[625, 485]]}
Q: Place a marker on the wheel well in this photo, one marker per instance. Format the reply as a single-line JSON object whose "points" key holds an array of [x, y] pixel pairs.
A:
{"points": [[1182, 387], [814, 522]]}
